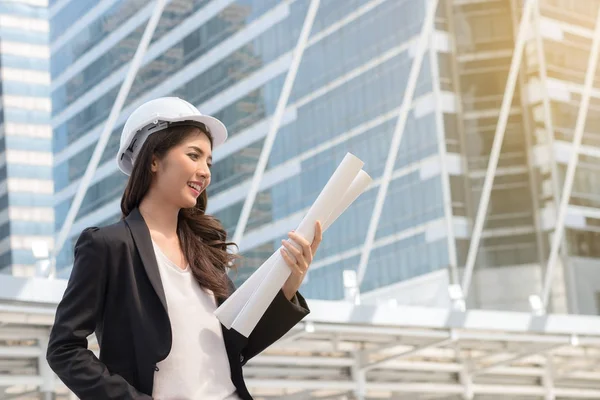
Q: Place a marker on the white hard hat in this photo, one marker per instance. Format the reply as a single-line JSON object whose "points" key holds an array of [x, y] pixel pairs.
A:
{"points": [[157, 115]]}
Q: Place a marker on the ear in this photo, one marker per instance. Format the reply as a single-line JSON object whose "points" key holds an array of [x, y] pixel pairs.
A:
{"points": [[154, 164]]}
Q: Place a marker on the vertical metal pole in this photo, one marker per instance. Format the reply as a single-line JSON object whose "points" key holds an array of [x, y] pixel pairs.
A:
{"points": [[570, 175], [455, 290], [360, 378], [426, 31], [109, 126], [464, 375], [549, 127], [48, 385], [445, 175], [528, 134], [497, 145], [548, 124], [276, 122], [548, 379]]}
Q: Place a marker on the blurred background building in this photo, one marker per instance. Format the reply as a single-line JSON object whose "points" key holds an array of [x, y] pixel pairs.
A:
{"points": [[230, 58], [26, 184], [410, 338]]}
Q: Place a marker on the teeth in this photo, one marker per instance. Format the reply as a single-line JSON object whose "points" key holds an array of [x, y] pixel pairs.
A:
{"points": [[195, 186]]}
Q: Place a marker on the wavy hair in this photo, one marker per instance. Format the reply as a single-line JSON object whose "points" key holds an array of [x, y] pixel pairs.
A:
{"points": [[202, 237]]}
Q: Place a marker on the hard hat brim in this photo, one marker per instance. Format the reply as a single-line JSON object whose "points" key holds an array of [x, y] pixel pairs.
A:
{"points": [[216, 128]]}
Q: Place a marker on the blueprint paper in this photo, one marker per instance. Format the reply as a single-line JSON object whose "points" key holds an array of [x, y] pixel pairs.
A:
{"points": [[358, 186], [244, 308], [239, 298], [227, 312]]}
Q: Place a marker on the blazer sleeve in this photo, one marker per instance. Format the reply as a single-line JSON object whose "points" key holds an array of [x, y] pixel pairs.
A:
{"points": [[76, 316], [281, 316]]}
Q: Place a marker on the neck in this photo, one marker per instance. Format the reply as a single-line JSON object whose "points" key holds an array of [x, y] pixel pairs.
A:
{"points": [[159, 216]]}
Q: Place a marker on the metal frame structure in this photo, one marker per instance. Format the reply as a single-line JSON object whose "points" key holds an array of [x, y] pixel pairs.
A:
{"points": [[497, 145], [276, 121], [84, 184], [530, 7], [342, 350], [549, 127], [442, 152], [124, 91], [574, 157], [528, 124], [422, 44], [364, 351]]}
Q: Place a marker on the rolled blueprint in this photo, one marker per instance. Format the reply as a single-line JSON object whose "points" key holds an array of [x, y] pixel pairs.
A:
{"points": [[231, 307], [227, 312], [357, 187], [324, 206]]}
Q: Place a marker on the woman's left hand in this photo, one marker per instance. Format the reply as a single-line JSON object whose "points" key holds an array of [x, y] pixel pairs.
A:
{"points": [[299, 259]]}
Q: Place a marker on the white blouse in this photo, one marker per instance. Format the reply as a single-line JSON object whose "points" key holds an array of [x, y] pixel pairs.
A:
{"points": [[197, 366]]}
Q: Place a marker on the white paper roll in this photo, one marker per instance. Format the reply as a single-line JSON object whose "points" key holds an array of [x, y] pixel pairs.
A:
{"points": [[231, 307], [323, 207], [358, 186], [235, 303]]}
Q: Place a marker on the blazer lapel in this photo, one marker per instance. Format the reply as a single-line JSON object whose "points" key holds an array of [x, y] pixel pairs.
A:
{"points": [[143, 242]]}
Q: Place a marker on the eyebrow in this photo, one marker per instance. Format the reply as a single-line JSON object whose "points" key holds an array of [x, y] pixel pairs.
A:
{"points": [[199, 150]]}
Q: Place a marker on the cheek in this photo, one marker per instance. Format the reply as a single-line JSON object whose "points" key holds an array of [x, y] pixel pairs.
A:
{"points": [[164, 183], [169, 176]]}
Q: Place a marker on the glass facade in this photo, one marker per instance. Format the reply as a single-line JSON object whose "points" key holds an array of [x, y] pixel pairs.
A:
{"points": [[484, 44], [564, 59], [535, 152], [345, 99], [26, 179], [230, 58]]}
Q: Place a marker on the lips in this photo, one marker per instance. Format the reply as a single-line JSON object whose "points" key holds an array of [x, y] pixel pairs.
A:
{"points": [[197, 187]]}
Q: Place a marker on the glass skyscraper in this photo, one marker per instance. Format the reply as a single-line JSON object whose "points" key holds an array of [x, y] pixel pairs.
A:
{"points": [[230, 59], [26, 187]]}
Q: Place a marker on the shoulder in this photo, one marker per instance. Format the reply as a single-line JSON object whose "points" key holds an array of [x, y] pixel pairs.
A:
{"points": [[108, 235]]}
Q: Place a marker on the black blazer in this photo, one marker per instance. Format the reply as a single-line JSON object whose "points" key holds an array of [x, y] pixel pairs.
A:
{"points": [[115, 291]]}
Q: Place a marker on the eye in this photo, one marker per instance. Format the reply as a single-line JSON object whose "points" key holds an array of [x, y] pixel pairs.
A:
{"points": [[209, 165], [193, 156]]}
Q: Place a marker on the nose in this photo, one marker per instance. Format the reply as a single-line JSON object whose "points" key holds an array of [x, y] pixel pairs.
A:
{"points": [[203, 174]]}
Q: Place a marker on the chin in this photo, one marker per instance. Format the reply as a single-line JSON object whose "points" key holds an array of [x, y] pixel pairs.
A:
{"points": [[187, 202]]}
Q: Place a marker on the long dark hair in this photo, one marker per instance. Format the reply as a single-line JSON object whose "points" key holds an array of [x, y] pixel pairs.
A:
{"points": [[202, 237]]}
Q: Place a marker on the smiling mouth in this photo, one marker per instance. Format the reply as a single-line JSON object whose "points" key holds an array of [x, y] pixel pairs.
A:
{"points": [[196, 187]]}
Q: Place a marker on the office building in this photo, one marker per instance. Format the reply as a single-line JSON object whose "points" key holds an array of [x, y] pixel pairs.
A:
{"points": [[26, 186], [230, 58]]}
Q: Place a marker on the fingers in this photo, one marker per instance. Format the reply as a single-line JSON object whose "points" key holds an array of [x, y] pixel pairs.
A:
{"points": [[309, 249], [318, 237], [304, 244], [294, 267], [293, 250]]}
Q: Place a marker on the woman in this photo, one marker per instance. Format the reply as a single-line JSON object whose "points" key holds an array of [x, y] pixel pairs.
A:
{"points": [[149, 284]]}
